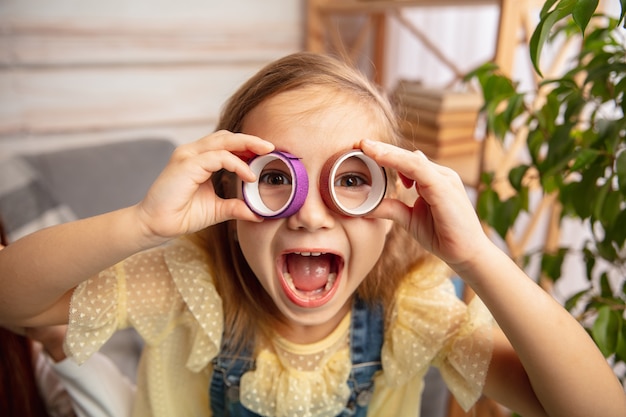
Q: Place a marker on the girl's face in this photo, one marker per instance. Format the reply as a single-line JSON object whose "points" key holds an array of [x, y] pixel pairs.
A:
{"points": [[312, 262]]}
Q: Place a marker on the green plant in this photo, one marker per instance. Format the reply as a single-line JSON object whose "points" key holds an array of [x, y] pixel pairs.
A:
{"points": [[575, 135]]}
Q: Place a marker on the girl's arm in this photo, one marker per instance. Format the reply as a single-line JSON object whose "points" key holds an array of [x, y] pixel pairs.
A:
{"points": [[39, 272], [555, 369]]}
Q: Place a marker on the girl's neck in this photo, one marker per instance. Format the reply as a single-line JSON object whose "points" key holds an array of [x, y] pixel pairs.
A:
{"points": [[304, 334]]}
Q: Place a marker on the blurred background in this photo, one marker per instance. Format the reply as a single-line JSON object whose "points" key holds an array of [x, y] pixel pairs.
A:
{"points": [[85, 72]]}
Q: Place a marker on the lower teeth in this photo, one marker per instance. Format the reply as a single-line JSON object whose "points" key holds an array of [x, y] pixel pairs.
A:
{"points": [[329, 284]]}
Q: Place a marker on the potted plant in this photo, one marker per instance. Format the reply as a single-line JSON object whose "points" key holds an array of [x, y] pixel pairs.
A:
{"points": [[575, 137]]}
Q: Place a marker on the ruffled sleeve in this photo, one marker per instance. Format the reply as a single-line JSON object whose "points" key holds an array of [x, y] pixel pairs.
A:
{"points": [[430, 325], [96, 311], [190, 271], [154, 292]]}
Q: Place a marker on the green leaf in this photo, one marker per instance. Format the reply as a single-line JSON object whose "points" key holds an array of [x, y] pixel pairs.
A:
{"points": [[584, 158], [516, 175], [611, 209], [482, 73], [583, 11], [590, 262], [498, 87], [500, 215], [572, 302], [583, 191], [486, 205], [605, 330], [486, 177], [605, 286], [544, 28], [618, 233], [620, 348], [606, 250], [514, 108], [598, 199], [546, 8], [551, 263], [550, 182], [620, 169], [505, 215]]}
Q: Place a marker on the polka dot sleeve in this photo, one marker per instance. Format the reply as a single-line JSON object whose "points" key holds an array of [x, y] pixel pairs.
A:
{"points": [[97, 309], [431, 326], [155, 292]]}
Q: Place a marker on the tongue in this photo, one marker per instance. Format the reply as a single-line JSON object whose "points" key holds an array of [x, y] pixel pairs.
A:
{"points": [[309, 273]]}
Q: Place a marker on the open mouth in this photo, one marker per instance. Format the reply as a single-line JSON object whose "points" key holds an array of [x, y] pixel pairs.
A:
{"points": [[310, 279]]}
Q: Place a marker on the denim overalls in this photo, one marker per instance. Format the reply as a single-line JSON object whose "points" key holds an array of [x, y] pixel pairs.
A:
{"points": [[366, 340]]}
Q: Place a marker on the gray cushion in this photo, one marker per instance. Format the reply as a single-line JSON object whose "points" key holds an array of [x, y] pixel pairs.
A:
{"points": [[96, 179], [26, 205]]}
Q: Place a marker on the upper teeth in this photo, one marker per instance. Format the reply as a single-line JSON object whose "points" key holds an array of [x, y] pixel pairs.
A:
{"points": [[308, 253]]}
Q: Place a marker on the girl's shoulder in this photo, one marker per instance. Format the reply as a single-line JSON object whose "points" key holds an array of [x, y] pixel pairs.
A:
{"points": [[430, 325], [178, 258], [428, 272]]}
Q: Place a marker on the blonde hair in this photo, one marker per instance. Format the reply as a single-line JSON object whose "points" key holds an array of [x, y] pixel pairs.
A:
{"points": [[247, 307]]}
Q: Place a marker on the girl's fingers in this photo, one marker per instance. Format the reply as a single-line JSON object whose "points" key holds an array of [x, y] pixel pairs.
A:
{"points": [[234, 208], [211, 162], [412, 166], [395, 210], [221, 150], [237, 143]]}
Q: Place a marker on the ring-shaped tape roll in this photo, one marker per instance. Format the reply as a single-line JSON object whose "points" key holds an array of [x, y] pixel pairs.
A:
{"points": [[327, 184], [299, 185]]}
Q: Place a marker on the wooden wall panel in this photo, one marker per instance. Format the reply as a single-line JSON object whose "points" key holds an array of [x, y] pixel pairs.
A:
{"points": [[84, 99], [94, 71]]}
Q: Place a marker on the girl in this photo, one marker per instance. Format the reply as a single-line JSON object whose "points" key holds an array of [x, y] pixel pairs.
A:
{"points": [[315, 307]]}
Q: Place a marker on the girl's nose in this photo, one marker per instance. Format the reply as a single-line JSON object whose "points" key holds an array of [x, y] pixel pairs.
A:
{"points": [[313, 215]]}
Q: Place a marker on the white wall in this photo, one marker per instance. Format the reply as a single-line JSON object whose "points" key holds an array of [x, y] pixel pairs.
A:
{"points": [[85, 71]]}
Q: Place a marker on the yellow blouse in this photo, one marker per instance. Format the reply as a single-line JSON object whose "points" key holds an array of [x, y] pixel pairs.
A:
{"points": [[168, 296]]}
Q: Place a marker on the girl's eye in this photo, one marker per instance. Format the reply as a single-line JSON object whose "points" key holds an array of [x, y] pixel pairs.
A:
{"points": [[274, 178], [350, 180]]}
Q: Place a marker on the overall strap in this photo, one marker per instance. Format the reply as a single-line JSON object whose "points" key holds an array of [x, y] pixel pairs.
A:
{"points": [[228, 367], [366, 342]]}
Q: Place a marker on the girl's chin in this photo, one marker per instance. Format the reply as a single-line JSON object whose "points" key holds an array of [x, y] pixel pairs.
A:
{"points": [[311, 326]]}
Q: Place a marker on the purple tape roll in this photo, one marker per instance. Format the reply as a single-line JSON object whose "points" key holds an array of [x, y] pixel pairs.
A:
{"points": [[299, 186]]}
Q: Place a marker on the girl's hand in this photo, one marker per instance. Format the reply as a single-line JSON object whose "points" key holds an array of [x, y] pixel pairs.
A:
{"points": [[182, 200], [442, 217]]}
